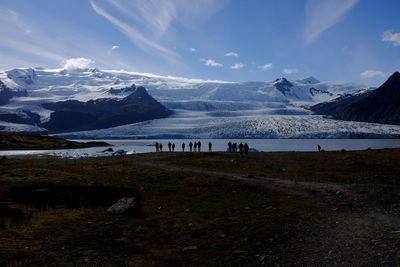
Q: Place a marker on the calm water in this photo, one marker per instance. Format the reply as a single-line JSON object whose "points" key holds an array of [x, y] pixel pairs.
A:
{"points": [[143, 146]]}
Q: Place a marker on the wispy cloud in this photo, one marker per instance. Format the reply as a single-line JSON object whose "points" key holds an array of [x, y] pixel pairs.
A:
{"points": [[192, 49], [389, 36], [266, 67], [323, 14], [114, 47], [232, 54], [237, 66], [22, 38], [157, 16], [372, 74], [290, 71], [211, 62], [134, 35]]}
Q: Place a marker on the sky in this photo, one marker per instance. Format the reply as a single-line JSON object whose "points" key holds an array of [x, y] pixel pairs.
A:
{"points": [[231, 40]]}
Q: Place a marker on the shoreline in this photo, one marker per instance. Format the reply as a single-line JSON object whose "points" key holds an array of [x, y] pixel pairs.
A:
{"points": [[38, 142]]}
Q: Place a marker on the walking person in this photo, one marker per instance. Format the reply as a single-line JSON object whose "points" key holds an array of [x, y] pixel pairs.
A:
{"points": [[157, 146], [190, 146], [173, 147], [229, 146], [160, 147], [199, 146], [169, 146], [209, 147], [183, 147]]}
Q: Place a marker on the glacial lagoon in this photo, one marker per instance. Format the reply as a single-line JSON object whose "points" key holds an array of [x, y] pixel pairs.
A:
{"points": [[263, 145]]}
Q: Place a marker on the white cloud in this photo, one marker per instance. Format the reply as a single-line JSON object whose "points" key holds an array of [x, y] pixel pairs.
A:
{"points": [[237, 66], [231, 54], [266, 66], [77, 63], [192, 49], [114, 47], [372, 73], [389, 36], [323, 14], [211, 63], [290, 71]]}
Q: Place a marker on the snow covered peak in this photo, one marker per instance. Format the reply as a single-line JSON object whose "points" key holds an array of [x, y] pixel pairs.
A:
{"points": [[22, 77], [309, 80]]}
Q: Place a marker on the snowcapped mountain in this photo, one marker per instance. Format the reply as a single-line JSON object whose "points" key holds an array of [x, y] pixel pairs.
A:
{"points": [[200, 106]]}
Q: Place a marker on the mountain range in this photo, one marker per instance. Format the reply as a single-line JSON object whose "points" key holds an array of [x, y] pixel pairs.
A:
{"points": [[182, 108], [379, 106]]}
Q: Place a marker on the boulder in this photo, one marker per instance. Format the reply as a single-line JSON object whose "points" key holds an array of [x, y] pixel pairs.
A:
{"points": [[126, 206]]}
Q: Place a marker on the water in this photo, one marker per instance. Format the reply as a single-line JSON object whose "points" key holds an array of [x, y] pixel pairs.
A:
{"points": [[267, 145]]}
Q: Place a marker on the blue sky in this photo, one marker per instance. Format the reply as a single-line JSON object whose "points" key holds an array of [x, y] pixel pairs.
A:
{"points": [[235, 40]]}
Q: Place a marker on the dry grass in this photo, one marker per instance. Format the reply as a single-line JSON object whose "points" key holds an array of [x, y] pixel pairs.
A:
{"points": [[188, 219]]}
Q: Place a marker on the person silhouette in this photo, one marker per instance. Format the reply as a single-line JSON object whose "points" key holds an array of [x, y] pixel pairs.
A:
{"points": [[173, 147], [209, 147], [199, 146], [229, 146], [241, 148], [169, 146], [246, 148], [183, 147], [160, 147], [190, 146], [319, 148], [157, 146], [234, 147]]}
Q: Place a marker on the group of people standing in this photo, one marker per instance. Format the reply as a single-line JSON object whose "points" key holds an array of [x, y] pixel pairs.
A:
{"points": [[171, 146], [196, 147], [233, 147]]}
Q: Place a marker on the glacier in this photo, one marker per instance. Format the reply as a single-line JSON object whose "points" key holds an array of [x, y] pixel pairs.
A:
{"points": [[202, 108]]}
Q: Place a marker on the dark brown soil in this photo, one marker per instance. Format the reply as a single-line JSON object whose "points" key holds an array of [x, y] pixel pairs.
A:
{"points": [[204, 209]]}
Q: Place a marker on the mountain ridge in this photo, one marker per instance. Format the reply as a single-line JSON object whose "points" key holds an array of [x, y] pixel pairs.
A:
{"points": [[381, 105]]}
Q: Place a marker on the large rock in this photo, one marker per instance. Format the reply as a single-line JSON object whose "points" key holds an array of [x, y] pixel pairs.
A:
{"points": [[126, 206]]}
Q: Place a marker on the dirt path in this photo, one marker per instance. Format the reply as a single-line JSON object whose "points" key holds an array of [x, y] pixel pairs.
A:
{"points": [[361, 195], [367, 233]]}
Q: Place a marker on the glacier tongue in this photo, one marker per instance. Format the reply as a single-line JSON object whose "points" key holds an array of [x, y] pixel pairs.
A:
{"points": [[195, 124]]}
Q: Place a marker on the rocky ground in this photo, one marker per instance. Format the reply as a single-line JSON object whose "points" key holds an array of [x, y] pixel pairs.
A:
{"points": [[204, 209]]}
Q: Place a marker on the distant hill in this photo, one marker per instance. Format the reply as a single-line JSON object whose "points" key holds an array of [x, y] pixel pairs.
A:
{"points": [[37, 142], [381, 105], [73, 115]]}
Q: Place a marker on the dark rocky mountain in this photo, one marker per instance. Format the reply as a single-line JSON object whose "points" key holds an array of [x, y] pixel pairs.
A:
{"points": [[73, 115], [122, 91], [283, 85], [381, 105], [6, 93], [315, 92]]}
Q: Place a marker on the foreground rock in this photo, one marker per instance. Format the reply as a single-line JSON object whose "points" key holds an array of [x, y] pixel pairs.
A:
{"points": [[126, 206]]}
